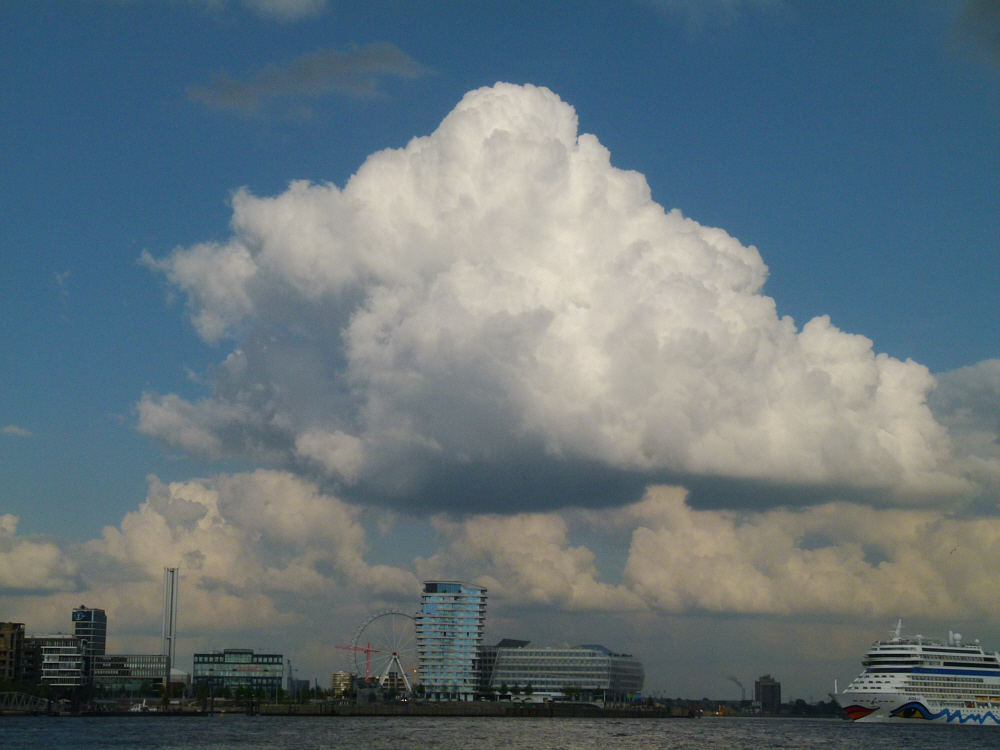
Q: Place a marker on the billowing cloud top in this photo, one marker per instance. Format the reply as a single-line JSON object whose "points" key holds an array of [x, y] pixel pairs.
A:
{"points": [[496, 299]]}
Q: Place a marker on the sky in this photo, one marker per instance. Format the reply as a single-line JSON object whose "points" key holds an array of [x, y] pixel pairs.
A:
{"points": [[671, 322]]}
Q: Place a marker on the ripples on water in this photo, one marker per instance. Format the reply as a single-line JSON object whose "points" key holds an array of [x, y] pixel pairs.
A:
{"points": [[237, 732]]}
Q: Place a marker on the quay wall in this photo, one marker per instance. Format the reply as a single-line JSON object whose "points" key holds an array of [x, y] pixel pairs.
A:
{"points": [[496, 709]]}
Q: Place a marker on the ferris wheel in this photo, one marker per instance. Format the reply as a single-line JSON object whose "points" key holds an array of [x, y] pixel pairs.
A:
{"points": [[385, 644]]}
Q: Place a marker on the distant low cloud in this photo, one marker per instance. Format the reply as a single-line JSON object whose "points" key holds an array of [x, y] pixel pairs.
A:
{"points": [[356, 72], [14, 431], [61, 279], [834, 558], [255, 550], [698, 13], [266, 550], [286, 11], [497, 319]]}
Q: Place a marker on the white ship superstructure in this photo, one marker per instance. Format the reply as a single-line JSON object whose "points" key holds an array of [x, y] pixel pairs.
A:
{"points": [[913, 678]]}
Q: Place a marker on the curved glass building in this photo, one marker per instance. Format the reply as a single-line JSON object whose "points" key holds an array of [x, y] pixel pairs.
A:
{"points": [[449, 637]]}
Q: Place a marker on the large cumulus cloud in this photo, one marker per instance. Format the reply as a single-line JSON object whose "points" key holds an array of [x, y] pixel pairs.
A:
{"points": [[497, 300]]}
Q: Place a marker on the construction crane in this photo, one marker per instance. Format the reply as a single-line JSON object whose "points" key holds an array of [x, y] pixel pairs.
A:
{"points": [[368, 651]]}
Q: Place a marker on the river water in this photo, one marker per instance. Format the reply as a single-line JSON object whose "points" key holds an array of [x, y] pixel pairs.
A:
{"points": [[237, 732]]}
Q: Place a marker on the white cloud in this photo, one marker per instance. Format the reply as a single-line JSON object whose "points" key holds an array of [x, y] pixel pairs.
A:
{"points": [[831, 559], [498, 290], [523, 559], [339, 454], [257, 552], [266, 555], [834, 558], [286, 10], [32, 564], [14, 431]]}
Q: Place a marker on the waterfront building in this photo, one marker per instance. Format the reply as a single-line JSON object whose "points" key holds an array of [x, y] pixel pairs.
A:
{"points": [[587, 673], [449, 637], [91, 626], [238, 668], [129, 673], [56, 659], [340, 683], [11, 644], [767, 694], [488, 660]]}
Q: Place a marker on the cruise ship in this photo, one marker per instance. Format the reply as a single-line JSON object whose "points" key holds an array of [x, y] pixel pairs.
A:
{"points": [[918, 679]]}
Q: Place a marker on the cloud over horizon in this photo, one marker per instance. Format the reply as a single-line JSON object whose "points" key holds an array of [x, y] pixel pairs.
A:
{"points": [[266, 551], [497, 300], [284, 11]]}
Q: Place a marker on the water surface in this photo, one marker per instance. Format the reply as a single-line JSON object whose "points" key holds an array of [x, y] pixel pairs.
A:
{"points": [[237, 732]]}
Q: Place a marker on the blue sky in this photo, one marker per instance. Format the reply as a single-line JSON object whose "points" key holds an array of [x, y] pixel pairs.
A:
{"points": [[854, 146]]}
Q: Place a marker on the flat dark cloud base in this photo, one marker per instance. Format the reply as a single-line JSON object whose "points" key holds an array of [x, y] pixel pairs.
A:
{"points": [[544, 484]]}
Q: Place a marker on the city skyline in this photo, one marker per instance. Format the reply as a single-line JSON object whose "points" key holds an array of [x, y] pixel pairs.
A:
{"points": [[666, 322]]}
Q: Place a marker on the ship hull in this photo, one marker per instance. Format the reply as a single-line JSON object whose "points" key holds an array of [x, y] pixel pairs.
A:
{"points": [[901, 709]]}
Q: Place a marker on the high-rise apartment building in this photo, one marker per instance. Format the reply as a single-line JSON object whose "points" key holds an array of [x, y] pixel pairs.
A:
{"points": [[449, 637]]}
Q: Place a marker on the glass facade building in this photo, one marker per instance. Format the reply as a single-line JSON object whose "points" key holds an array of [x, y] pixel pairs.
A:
{"points": [[238, 668], [449, 637], [584, 673], [129, 673]]}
